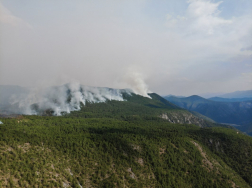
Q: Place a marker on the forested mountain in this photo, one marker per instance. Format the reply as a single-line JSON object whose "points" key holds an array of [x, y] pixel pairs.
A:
{"points": [[137, 142], [239, 113], [71, 97]]}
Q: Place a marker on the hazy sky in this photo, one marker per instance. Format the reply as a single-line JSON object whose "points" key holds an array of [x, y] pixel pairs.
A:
{"points": [[180, 47]]}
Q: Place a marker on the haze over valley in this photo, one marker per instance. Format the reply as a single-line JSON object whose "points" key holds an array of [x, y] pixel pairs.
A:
{"points": [[129, 93], [180, 48]]}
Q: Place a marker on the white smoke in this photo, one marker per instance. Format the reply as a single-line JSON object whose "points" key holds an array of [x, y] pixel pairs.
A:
{"points": [[64, 98], [135, 80]]}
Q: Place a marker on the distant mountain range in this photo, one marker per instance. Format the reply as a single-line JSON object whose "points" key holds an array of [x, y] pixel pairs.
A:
{"points": [[237, 94], [220, 99], [235, 113]]}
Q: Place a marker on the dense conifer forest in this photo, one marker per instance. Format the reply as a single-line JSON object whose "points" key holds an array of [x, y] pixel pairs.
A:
{"points": [[122, 144]]}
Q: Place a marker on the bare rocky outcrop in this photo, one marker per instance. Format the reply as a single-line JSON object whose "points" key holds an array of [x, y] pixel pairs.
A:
{"points": [[161, 151], [207, 163], [131, 174], [182, 117], [140, 161], [136, 147]]}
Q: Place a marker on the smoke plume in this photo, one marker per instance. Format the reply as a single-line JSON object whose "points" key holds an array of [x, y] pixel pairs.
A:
{"points": [[135, 80], [64, 98]]}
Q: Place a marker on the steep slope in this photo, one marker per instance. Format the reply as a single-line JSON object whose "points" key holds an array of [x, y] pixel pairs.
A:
{"points": [[63, 151], [138, 107], [86, 101], [135, 142]]}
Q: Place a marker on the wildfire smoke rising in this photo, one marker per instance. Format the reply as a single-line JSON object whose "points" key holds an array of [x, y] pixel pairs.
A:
{"points": [[64, 98], [54, 97], [134, 79]]}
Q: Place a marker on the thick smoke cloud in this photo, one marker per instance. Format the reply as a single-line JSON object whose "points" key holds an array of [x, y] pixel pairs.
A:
{"points": [[180, 47], [136, 82], [62, 99]]}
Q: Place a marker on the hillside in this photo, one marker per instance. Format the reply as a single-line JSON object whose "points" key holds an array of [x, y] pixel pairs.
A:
{"points": [[109, 152], [222, 112], [138, 107], [73, 97], [137, 142]]}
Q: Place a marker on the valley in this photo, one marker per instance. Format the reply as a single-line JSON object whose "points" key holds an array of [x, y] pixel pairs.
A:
{"points": [[237, 113], [125, 94]]}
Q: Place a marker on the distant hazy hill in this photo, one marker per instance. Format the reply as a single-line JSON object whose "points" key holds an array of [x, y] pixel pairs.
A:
{"points": [[239, 113], [219, 99], [174, 96], [237, 94]]}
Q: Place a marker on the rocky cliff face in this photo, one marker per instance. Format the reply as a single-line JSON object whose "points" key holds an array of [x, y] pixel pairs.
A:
{"points": [[184, 117]]}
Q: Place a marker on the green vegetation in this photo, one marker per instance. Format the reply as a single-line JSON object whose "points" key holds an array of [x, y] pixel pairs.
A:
{"points": [[138, 107], [122, 144]]}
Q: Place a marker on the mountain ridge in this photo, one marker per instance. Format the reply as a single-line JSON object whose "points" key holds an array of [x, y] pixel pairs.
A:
{"points": [[222, 112], [219, 99], [134, 142], [77, 98], [237, 94]]}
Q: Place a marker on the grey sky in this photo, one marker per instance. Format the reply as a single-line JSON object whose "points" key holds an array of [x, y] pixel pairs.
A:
{"points": [[177, 47]]}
